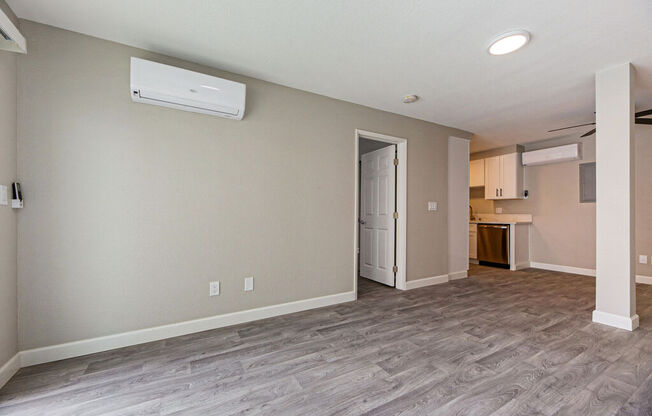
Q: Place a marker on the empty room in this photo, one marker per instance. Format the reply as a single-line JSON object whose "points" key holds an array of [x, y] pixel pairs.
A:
{"points": [[343, 207]]}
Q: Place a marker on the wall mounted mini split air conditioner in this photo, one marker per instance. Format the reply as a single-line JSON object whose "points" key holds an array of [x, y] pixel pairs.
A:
{"points": [[557, 154], [169, 86], [10, 37]]}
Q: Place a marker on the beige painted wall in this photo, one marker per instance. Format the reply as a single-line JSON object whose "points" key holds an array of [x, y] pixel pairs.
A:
{"points": [[8, 308], [495, 152], [131, 209], [643, 161], [477, 201]]}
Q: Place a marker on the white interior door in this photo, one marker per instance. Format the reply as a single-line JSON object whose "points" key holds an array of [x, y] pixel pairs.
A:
{"points": [[377, 205]]}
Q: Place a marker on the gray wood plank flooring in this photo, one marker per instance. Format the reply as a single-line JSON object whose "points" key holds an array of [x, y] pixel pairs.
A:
{"points": [[498, 343]]}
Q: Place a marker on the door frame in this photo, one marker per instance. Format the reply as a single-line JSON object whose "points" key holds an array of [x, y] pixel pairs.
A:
{"points": [[401, 205]]}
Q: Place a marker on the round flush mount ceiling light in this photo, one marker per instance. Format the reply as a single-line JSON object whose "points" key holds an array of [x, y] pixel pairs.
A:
{"points": [[509, 42], [410, 99]]}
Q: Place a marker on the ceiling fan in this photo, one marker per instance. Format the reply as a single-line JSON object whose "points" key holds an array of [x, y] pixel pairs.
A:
{"points": [[638, 120]]}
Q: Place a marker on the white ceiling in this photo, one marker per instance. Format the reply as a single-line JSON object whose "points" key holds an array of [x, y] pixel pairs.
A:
{"points": [[373, 52]]}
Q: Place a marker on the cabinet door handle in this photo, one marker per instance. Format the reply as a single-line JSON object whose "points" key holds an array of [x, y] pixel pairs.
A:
{"points": [[496, 191], [501, 191]]}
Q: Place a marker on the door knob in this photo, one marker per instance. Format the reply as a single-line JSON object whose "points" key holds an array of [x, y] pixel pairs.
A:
{"points": [[361, 221]]}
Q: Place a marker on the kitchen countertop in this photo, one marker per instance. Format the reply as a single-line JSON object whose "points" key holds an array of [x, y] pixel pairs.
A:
{"points": [[486, 218], [499, 222]]}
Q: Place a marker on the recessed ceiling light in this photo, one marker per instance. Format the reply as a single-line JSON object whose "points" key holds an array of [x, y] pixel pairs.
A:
{"points": [[509, 42], [410, 99]]}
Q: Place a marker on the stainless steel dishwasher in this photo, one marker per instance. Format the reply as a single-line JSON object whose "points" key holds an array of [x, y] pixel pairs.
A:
{"points": [[493, 245]]}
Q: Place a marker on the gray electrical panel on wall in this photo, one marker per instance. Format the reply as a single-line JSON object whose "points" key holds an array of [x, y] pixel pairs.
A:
{"points": [[587, 182]]}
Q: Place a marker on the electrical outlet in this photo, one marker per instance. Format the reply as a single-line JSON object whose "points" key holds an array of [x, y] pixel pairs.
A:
{"points": [[499, 210], [432, 206], [642, 259], [214, 289], [248, 284]]}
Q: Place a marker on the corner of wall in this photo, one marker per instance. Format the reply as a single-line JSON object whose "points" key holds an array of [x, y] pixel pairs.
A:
{"points": [[8, 246]]}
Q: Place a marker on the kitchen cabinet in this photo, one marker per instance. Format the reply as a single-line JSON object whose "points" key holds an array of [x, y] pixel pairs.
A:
{"points": [[476, 173], [503, 177], [492, 177], [473, 241]]}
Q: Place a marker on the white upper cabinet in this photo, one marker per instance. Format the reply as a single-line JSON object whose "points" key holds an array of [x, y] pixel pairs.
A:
{"points": [[503, 177], [492, 177], [511, 176], [476, 173]]}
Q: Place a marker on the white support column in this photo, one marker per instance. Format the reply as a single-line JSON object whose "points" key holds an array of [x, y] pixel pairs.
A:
{"points": [[615, 293]]}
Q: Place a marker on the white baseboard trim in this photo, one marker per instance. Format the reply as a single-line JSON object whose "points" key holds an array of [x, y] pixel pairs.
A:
{"points": [[523, 265], [458, 275], [564, 269], [646, 280], [109, 342], [9, 368], [629, 323], [426, 281]]}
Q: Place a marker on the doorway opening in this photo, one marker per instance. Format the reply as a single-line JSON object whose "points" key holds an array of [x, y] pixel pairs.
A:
{"points": [[381, 209]]}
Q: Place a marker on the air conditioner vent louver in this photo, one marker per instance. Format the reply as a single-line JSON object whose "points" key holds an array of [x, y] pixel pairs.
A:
{"points": [[4, 35]]}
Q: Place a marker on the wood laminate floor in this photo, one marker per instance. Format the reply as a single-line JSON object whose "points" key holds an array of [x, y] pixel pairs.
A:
{"points": [[497, 343]]}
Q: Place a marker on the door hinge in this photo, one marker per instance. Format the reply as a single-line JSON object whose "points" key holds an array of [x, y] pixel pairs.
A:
{"points": [[395, 269], [395, 161], [395, 215]]}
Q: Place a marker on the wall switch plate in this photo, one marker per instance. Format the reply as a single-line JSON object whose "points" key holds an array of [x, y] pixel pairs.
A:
{"points": [[432, 206], [248, 284], [499, 210], [4, 200], [642, 259], [214, 289]]}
